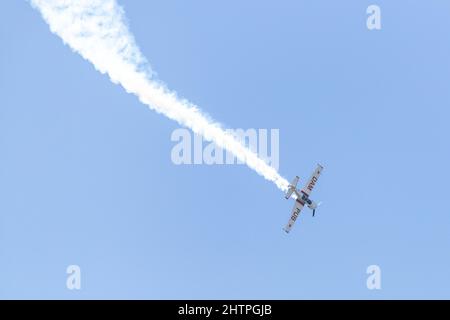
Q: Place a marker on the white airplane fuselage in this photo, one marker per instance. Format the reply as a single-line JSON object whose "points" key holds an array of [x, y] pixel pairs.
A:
{"points": [[303, 198]]}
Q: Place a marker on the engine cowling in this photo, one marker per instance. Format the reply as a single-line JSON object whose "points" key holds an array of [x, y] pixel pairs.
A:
{"points": [[312, 205]]}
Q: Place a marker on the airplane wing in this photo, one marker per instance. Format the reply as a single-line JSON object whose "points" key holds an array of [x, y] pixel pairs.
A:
{"points": [[312, 181], [298, 206]]}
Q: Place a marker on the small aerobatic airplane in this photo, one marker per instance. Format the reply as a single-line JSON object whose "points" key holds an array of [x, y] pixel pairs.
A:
{"points": [[302, 197]]}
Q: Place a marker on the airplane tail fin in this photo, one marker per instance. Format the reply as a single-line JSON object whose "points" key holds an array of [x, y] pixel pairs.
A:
{"points": [[292, 187]]}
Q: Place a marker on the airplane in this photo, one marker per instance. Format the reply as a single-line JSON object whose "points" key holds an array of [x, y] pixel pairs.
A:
{"points": [[302, 197]]}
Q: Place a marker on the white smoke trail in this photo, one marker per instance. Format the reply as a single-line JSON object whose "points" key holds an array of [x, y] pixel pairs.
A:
{"points": [[96, 29]]}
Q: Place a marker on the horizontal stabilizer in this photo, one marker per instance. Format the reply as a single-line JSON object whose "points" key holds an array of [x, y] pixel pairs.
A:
{"points": [[292, 187]]}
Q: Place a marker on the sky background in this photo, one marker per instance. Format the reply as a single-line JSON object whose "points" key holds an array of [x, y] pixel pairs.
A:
{"points": [[86, 176]]}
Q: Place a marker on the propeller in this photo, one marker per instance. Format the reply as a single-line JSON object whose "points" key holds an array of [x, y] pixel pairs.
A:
{"points": [[314, 210]]}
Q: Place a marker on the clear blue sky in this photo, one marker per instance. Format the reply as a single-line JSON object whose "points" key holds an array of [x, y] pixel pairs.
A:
{"points": [[86, 176]]}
